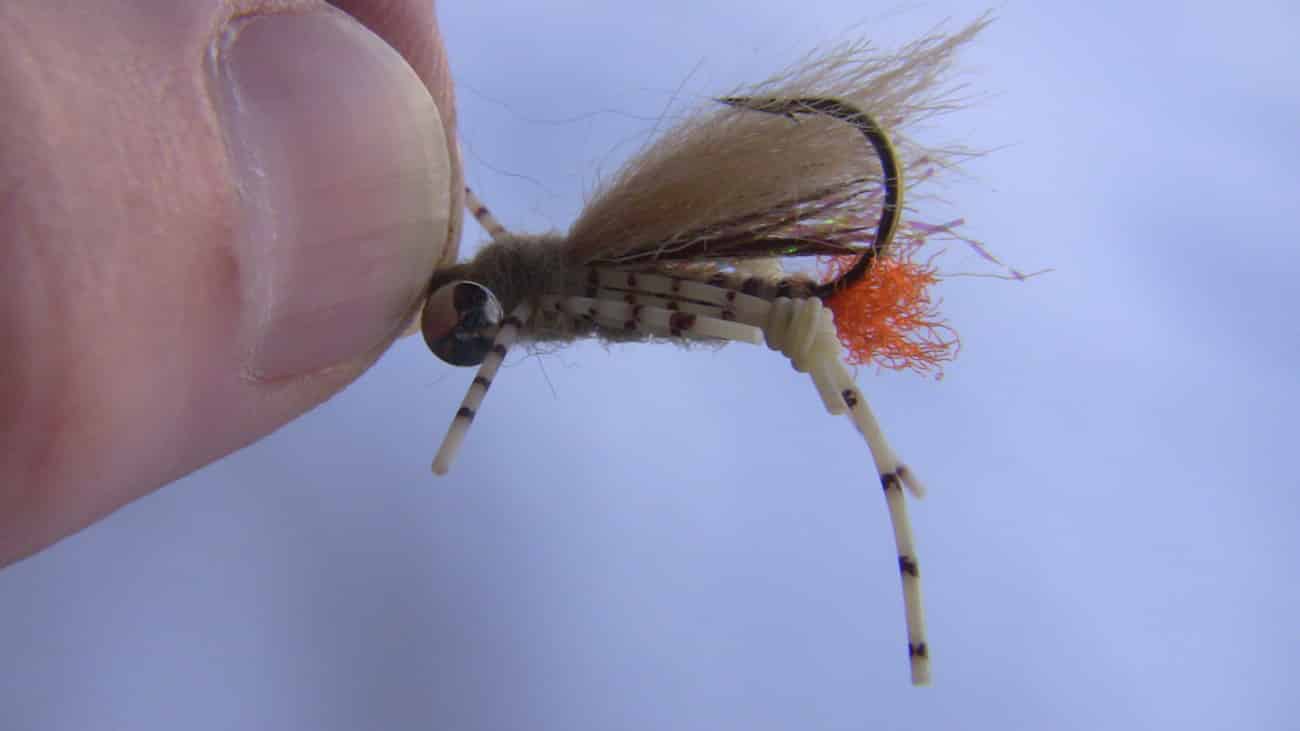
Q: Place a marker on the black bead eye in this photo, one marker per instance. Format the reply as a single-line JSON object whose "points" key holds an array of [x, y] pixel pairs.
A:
{"points": [[460, 321]]}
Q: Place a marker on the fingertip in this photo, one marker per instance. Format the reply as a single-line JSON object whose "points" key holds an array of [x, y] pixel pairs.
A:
{"points": [[345, 177]]}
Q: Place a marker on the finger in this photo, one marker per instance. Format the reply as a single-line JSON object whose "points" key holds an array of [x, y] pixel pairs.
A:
{"points": [[411, 27], [211, 224]]}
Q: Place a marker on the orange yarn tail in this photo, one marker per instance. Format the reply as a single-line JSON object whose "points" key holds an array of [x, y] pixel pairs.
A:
{"points": [[888, 317]]}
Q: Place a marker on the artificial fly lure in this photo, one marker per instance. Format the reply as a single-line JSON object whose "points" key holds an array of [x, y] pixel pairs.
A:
{"points": [[698, 237]]}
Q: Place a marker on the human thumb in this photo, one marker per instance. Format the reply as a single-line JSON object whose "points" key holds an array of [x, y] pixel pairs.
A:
{"points": [[345, 185], [197, 253]]}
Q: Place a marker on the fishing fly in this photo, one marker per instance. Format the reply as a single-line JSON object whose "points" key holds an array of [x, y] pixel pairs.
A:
{"points": [[700, 238]]}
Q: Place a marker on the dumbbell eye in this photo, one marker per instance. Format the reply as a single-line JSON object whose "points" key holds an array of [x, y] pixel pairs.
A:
{"points": [[459, 322]]}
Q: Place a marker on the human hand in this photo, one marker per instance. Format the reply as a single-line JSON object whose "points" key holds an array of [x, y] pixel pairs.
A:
{"points": [[214, 214]]}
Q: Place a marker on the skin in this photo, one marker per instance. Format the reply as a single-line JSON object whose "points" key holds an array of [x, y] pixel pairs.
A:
{"points": [[214, 215]]}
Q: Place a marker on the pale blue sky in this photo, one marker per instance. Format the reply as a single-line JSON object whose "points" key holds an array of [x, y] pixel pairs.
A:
{"points": [[1109, 540]]}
